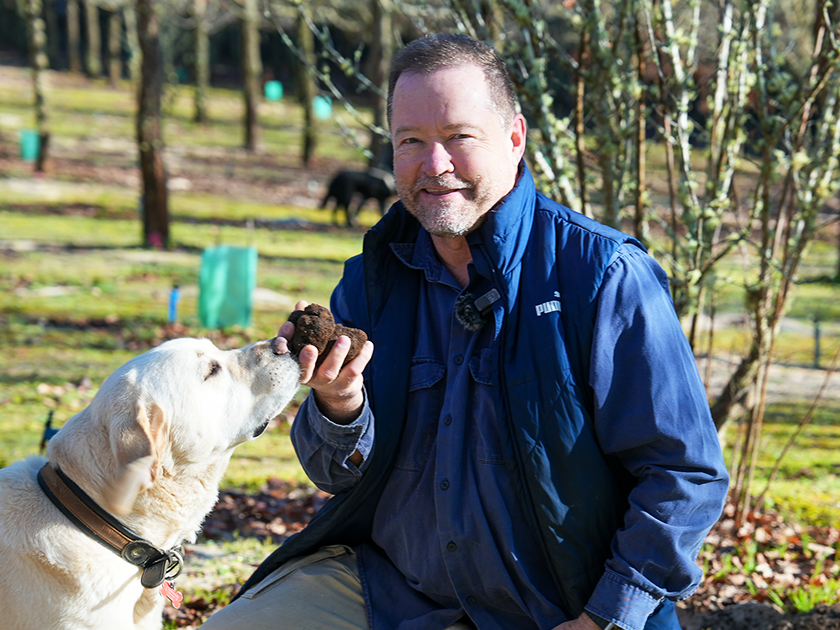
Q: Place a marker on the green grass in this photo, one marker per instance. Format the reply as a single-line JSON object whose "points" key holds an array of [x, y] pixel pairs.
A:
{"points": [[272, 454], [810, 464]]}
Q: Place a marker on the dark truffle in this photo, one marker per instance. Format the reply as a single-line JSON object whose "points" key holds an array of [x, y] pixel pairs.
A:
{"points": [[315, 325]]}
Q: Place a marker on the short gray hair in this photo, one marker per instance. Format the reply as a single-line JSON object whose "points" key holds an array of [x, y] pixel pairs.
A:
{"points": [[450, 50]]}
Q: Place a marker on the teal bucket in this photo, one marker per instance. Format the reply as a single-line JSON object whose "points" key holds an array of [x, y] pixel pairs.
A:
{"points": [[30, 144], [273, 91], [322, 107]]}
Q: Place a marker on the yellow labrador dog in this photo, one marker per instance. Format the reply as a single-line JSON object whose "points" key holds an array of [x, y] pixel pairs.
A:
{"points": [[89, 539]]}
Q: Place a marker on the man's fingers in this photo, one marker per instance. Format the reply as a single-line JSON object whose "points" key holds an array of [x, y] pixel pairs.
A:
{"points": [[334, 374], [361, 360], [306, 359], [331, 366], [338, 387], [286, 331]]}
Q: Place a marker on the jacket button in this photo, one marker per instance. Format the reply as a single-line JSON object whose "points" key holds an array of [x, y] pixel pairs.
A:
{"points": [[451, 546], [471, 600], [447, 420], [444, 485], [459, 359]]}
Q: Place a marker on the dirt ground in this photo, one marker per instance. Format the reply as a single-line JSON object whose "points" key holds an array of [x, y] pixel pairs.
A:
{"points": [[759, 616]]}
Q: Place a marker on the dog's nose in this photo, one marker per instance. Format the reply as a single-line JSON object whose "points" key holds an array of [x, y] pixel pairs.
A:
{"points": [[279, 345]]}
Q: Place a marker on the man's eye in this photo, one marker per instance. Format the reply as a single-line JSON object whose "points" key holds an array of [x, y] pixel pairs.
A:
{"points": [[215, 368]]}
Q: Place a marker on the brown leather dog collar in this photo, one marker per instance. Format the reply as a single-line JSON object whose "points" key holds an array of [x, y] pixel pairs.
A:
{"points": [[98, 524]]}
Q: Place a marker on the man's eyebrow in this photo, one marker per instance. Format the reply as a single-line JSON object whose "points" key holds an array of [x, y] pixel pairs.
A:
{"points": [[406, 129], [457, 126], [462, 125]]}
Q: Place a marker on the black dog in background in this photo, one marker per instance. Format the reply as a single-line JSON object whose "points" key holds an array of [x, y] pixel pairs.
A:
{"points": [[371, 184]]}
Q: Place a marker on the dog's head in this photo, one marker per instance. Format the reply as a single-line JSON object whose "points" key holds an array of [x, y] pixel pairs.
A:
{"points": [[183, 404]]}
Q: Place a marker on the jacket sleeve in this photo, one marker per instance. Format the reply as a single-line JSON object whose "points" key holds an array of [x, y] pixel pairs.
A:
{"points": [[323, 447], [652, 414]]}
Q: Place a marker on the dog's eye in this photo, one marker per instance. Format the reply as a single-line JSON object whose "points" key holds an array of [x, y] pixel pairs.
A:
{"points": [[215, 368]]}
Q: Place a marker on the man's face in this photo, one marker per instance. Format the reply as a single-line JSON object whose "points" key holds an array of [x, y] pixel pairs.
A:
{"points": [[453, 160]]}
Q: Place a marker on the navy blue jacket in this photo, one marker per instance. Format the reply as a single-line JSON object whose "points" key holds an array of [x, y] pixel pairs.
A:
{"points": [[579, 489]]}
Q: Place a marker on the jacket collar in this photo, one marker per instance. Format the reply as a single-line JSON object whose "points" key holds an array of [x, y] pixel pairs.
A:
{"points": [[503, 236]]}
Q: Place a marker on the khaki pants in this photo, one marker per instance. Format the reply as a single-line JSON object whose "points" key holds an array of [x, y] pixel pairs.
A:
{"points": [[317, 592]]}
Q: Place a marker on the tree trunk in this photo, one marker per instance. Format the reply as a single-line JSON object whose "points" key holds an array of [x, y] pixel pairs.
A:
{"points": [[491, 14], [251, 71], [736, 389], [114, 47], [606, 162], [306, 89], [94, 42], [580, 130], [381, 51], [202, 60], [640, 226], [149, 129], [52, 33], [135, 57], [36, 30], [73, 48]]}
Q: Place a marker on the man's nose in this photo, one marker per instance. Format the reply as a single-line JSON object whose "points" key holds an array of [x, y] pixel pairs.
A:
{"points": [[437, 160]]}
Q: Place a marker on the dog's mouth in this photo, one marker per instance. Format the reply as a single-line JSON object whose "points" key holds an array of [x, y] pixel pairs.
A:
{"points": [[261, 429]]}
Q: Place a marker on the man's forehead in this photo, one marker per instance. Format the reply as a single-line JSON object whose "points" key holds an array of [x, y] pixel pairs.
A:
{"points": [[454, 87], [466, 67], [464, 98]]}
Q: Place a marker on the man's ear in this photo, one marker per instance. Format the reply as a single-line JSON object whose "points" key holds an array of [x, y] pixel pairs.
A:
{"points": [[518, 137], [137, 444]]}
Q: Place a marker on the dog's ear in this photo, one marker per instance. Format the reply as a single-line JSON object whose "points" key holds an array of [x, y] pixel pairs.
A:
{"points": [[137, 445]]}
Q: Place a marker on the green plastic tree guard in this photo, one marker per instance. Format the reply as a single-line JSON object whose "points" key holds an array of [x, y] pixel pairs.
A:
{"points": [[30, 144], [226, 281]]}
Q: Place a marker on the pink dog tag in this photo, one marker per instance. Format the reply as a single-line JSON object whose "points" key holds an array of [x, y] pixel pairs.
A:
{"points": [[167, 589]]}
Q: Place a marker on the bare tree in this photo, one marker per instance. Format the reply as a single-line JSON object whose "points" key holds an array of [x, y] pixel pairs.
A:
{"points": [[51, 17], [36, 31], [800, 146], [93, 58], [114, 45], [251, 71], [202, 61], [375, 22], [381, 51], [208, 17], [73, 45], [306, 87], [149, 128], [135, 56]]}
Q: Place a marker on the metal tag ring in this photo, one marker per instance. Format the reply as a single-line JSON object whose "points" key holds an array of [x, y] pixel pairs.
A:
{"points": [[175, 564]]}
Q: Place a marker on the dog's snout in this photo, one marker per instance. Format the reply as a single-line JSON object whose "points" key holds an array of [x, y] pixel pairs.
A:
{"points": [[279, 345]]}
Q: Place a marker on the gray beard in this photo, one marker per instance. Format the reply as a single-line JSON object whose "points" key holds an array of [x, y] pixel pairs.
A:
{"points": [[446, 219], [442, 223]]}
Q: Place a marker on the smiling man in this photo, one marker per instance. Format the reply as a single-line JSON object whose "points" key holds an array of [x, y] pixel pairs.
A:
{"points": [[529, 447]]}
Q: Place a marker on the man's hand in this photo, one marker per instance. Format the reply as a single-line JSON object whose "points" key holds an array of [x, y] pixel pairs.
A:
{"points": [[581, 623], [338, 390]]}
